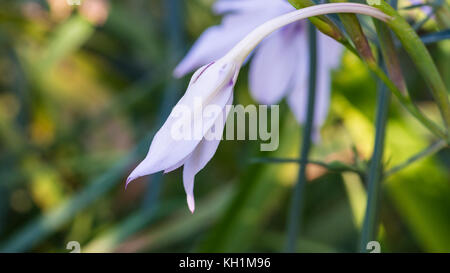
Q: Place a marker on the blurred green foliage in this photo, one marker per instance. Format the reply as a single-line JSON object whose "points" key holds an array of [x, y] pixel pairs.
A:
{"points": [[80, 101]]}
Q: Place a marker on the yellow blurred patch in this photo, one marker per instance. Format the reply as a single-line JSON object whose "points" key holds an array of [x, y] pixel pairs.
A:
{"points": [[42, 129], [46, 189], [289, 148], [359, 126]]}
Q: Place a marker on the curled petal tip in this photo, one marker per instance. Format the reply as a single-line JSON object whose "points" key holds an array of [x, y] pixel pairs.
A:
{"points": [[129, 179], [191, 203], [316, 137], [181, 70], [176, 73]]}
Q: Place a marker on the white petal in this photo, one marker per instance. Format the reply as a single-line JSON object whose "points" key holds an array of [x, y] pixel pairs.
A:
{"points": [[216, 41], [298, 97], [329, 54], [177, 165], [273, 67], [251, 6], [322, 104], [330, 50], [199, 158], [211, 85]]}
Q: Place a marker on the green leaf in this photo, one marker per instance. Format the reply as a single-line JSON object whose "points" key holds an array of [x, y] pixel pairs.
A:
{"points": [[420, 56], [421, 196]]}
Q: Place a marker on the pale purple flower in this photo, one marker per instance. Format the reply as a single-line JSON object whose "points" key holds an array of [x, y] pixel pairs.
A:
{"points": [[279, 67], [427, 9], [213, 84]]}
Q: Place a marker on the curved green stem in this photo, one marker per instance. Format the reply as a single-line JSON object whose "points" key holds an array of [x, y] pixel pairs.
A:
{"points": [[432, 149], [323, 23], [370, 226], [407, 102], [421, 58]]}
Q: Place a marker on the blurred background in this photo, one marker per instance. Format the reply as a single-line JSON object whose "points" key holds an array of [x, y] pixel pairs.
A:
{"points": [[84, 88]]}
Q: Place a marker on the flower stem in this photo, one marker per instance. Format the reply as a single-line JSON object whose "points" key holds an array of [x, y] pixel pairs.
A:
{"points": [[246, 45], [397, 88], [375, 174], [421, 58], [295, 214], [354, 30], [370, 226], [323, 23], [432, 149], [406, 101]]}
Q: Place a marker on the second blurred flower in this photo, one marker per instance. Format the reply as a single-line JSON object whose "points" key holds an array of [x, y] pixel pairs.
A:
{"points": [[279, 67]]}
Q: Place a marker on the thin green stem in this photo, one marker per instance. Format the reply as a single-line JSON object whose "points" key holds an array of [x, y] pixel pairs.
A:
{"points": [[421, 58], [295, 214], [370, 226], [375, 174], [432, 149], [354, 30], [435, 37], [407, 102], [390, 56], [323, 23]]}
